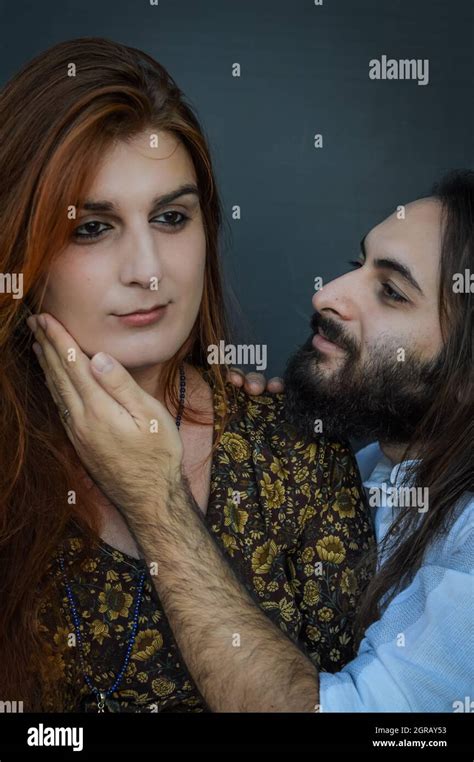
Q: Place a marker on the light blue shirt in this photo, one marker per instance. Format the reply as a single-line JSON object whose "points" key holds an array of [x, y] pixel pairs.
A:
{"points": [[419, 656]]}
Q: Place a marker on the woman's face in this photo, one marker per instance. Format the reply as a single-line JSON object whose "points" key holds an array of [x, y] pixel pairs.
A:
{"points": [[142, 251]]}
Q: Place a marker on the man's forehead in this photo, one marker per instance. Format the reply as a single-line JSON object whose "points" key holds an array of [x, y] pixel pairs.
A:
{"points": [[411, 234]]}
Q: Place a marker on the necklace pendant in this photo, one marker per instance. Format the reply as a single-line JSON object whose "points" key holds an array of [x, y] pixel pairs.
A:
{"points": [[101, 696]]}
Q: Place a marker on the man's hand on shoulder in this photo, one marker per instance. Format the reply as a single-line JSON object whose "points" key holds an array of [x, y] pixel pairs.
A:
{"points": [[255, 383]]}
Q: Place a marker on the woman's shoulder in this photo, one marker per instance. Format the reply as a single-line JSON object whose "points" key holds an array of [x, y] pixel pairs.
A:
{"points": [[263, 419]]}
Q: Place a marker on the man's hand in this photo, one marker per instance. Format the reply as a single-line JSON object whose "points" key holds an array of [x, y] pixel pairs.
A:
{"points": [[255, 383], [109, 424], [127, 440]]}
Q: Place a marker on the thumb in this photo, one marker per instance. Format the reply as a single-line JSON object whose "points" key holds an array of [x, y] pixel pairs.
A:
{"points": [[113, 377]]}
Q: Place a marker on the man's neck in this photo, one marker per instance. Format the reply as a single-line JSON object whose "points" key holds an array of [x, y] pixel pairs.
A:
{"points": [[394, 452]]}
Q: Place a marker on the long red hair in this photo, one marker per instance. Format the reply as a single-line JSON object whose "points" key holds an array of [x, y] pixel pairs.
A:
{"points": [[54, 129]]}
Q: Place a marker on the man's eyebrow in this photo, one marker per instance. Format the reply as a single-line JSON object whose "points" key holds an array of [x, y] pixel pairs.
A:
{"points": [[387, 263], [167, 198]]}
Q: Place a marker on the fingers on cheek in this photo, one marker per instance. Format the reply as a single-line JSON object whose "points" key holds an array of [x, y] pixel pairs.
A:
{"points": [[50, 382], [52, 390], [44, 366]]}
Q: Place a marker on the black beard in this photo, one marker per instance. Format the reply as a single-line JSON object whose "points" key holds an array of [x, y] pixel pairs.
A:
{"points": [[382, 399]]}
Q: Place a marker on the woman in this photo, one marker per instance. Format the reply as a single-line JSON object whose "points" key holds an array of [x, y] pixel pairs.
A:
{"points": [[109, 207]]}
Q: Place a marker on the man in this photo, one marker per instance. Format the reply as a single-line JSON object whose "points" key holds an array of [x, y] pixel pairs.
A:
{"points": [[391, 359]]}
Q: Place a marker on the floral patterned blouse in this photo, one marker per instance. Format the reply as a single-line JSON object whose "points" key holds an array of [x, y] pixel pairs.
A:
{"points": [[291, 518]]}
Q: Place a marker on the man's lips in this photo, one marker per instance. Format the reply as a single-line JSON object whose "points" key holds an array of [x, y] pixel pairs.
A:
{"points": [[322, 343]]}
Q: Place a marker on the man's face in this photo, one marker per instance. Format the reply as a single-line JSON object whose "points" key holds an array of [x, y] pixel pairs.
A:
{"points": [[368, 371]]}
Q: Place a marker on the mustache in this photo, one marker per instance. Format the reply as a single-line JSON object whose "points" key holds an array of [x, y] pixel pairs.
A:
{"points": [[334, 332]]}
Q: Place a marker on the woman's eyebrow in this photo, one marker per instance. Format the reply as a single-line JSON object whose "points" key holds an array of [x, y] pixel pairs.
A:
{"points": [[167, 198]]}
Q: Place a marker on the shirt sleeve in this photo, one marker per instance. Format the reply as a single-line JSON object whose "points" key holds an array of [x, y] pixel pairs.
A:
{"points": [[418, 657]]}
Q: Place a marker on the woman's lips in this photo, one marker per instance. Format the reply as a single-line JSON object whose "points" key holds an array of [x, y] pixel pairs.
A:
{"points": [[137, 319]]}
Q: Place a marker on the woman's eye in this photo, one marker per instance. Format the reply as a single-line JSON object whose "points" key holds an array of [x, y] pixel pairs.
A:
{"points": [[355, 263], [89, 230], [173, 223], [390, 293], [94, 228]]}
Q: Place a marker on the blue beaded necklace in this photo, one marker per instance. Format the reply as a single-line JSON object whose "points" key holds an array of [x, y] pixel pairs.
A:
{"points": [[101, 694]]}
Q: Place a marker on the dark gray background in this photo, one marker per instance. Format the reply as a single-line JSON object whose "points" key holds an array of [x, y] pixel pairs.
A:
{"points": [[304, 71]]}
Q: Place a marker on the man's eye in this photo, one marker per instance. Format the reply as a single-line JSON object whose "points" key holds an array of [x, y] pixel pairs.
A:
{"points": [[355, 263], [390, 293]]}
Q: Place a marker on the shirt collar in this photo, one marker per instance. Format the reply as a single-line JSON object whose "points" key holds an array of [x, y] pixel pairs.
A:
{"points": [[385, 472]]}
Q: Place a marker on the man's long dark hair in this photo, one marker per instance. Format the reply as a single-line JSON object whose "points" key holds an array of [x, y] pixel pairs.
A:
{"points": [[446, 432]]}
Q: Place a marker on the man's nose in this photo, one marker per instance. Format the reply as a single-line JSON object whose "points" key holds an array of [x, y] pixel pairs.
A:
{"points": [[338, 297]]}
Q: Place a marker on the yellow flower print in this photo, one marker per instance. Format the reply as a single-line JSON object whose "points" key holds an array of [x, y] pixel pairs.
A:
{"points": [[64, 638], [310, 452], [256, 408], [307, 555], [313, 633], [325, 614], [221, 408], [99, 630], [331, 549], [230, 543], [344, 503], [235, 517], [236, 446], [114, 601], [89, 565], [274, 492], [147, 644], [258, 584], [311, 593], [287, 610], [162, 687], [263, 557], [348, 582], [344, 639], [307, 513], [302, 474], [277, 468]]}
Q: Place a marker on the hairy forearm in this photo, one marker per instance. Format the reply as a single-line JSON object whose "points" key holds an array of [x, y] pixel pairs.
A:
{"points": [[240, 660]]}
